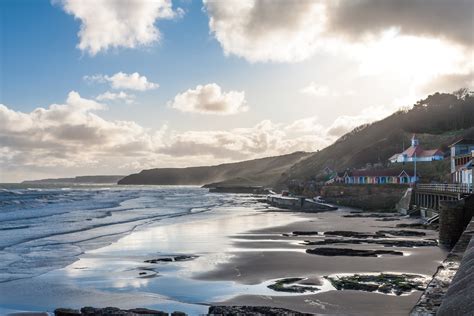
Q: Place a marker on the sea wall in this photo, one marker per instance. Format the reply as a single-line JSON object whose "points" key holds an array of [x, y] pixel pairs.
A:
{"points": [[365, 196], [459, 299], [454, 216], [451, 291]]}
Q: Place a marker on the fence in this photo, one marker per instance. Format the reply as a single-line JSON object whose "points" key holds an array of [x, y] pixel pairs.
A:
{"points": [[451, 187]]}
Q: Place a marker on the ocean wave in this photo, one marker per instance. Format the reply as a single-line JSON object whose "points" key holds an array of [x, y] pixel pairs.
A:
{"points": [[44, 223]]}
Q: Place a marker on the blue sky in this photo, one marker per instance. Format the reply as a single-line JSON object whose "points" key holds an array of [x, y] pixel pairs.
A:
{"points": [[236, 80]]}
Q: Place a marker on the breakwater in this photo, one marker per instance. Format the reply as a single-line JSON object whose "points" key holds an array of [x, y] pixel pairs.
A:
{"points": [[298, 203]]}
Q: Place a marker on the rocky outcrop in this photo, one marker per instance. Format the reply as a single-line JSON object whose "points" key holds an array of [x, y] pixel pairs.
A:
{"points": [[384, 242], [352, 252], [386, 283], [112, 311], [252, 311]]}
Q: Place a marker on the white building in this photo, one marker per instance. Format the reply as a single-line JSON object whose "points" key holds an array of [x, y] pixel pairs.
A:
{"points": [[462, 155], [416, 153]]}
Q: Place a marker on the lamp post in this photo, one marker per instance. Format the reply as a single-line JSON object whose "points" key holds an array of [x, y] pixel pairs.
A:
{"points": [[415, 169]]}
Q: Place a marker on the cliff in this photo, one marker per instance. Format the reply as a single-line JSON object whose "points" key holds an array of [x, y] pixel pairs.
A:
{"points": [[78, 180], [257, 172]]}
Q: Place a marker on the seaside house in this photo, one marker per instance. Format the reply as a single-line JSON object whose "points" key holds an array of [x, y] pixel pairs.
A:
{"points": [[416, 153], [379, 176], [337, 177], [462, 155]]}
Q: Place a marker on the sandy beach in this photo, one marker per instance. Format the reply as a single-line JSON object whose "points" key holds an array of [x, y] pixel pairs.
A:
{"points": [[266, 254]]}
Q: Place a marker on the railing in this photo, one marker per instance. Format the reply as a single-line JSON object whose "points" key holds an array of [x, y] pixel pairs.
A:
{"points": [[452, 187]]}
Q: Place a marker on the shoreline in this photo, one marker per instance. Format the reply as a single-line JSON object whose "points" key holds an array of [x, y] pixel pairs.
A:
{"points": [[244, 252]]}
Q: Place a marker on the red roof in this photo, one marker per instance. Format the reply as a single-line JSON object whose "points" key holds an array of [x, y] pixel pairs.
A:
{"points": [[376, 173], [420, 152]]}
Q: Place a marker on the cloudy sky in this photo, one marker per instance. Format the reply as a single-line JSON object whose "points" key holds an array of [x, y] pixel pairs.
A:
{"points": [[116, 86]]}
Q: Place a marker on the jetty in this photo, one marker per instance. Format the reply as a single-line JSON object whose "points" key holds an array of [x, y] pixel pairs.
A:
{"points": [[298, 203]]}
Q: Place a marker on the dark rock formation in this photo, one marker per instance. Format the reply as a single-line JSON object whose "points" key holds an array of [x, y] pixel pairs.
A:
{"points": [[345, 233], [290, 285], [385, 283], [414, 225], [171, 259], [252, 311], [384, 242], [351, 252], [111, 311], [372, 215], [405, 233]]}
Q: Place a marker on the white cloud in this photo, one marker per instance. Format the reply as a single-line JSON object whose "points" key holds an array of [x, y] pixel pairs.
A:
{"points": [[72, 139], [120, 80], [266, 30], [115, 23], [112, 96], [408, 45], [210, 99], [68, 134], [316, 90]]}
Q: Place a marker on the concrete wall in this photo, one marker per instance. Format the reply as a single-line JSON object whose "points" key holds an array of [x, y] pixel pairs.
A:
{"points": [[459, 298], [368, 197], [404, 205], [454, 216]]}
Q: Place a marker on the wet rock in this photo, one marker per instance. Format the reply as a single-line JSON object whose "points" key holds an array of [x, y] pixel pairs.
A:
{"points": [[112, 311], [159, 260], [184, 258], [107, 311], [346, 233], [351, 252], [305, 233], [290, 285], [387, 219], [67, 312], [145, 311], [417, 226], [385, 283], [252, 311], [384, 242], [172, 259], [373, 215], [402, 233]]}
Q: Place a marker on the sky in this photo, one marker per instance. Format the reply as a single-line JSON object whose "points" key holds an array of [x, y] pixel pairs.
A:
{"points": [[117, 86]]}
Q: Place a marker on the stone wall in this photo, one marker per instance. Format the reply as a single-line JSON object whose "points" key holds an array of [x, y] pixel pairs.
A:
{"points": [[450, 292], [370, 197], [459, 299], [454, 216]]}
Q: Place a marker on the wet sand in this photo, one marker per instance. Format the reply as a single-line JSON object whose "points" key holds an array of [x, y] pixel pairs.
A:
{"points": [[267, 254]]}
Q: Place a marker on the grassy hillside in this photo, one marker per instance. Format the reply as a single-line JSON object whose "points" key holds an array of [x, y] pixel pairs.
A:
{"points": [[438, 121], [265, 171]]}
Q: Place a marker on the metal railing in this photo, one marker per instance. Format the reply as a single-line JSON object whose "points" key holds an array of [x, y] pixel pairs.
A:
{"points": [[451, 187]]}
